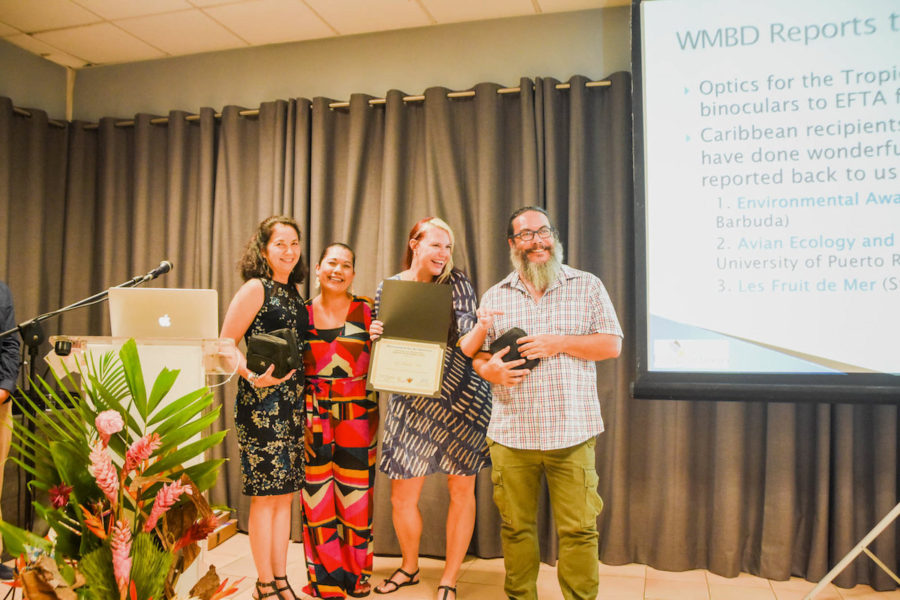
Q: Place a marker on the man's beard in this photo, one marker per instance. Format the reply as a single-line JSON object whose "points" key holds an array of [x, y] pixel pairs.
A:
{"points": [[540, 275]]}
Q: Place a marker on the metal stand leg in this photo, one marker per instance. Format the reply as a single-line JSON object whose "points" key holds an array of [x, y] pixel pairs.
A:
{"points": [[860, 547]]}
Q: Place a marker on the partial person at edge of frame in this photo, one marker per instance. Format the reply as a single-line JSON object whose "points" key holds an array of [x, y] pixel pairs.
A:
{"points": [[10, 361], [571, 324], [341, 432], [268, 411], [431, 425]]}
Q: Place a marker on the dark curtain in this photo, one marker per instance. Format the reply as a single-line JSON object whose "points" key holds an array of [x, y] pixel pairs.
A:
{"points": [[771, 489]]}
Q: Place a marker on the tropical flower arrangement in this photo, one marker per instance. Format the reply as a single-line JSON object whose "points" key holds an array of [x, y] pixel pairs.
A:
{"points": [[125, 515]]}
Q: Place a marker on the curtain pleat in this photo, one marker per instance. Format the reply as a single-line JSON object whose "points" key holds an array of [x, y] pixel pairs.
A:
{"points": [[771, 489]]}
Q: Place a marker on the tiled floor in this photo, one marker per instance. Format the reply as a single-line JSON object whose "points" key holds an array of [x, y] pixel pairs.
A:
{"points": [[483, 580]]}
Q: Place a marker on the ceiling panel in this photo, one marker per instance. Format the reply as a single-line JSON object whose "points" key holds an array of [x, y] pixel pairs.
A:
{"points": [[101, 43], [270, 21], [123, 9], [360, 16], [92, 32], [453, 11], [570, 5], [40, 15], [45, 50], [203, 3], [184, 32]]}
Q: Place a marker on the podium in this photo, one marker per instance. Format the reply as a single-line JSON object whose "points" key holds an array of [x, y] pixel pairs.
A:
{"points": [[196, 359]]}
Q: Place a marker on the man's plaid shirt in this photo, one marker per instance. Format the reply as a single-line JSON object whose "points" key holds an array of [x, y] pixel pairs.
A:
{"points": [[556, 405]]}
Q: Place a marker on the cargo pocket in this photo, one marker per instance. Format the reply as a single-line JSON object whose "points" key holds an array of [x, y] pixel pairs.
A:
{"points": [[593, 503], [500, 493]]}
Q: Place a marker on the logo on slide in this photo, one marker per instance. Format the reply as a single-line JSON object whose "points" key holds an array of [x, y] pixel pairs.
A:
{"points": [[165, 321]]}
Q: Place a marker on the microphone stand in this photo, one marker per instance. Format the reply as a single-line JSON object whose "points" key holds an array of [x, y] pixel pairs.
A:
{"points": [[33, 336]]}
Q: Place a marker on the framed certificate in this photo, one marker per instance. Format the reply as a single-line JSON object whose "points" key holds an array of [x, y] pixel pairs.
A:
{"points": [[409, 357], [407, 367]]}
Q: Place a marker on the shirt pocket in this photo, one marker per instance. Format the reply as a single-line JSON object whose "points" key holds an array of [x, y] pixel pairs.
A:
{"points": [[571, 317]]}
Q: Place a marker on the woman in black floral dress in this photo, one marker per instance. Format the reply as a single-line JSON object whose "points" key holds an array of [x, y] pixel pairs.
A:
{"points": [[268, 410]]}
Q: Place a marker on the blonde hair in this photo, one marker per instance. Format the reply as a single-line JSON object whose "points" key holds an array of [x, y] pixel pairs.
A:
{"points": [[418, 232]]}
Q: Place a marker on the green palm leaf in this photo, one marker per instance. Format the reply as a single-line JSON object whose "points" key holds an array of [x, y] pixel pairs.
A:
{"points": [[184, 454]]}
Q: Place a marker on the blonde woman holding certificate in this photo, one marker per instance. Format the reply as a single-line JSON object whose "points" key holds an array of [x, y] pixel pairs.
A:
{"points": [[436, 435]]}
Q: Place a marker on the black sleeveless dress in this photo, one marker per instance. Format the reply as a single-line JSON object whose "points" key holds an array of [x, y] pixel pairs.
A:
{"points": [[269, 420]]}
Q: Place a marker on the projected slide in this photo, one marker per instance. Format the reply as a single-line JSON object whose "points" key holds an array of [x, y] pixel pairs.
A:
{"points": [[772, 185]]}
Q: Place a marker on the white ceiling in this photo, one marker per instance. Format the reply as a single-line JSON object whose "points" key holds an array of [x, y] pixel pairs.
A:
{"points": [[80, 33]]}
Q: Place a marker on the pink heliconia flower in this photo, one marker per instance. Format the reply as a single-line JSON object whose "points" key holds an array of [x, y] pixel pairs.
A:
{"points": [[108, 422], [104, 472], [59, 495], [165, 498], [120, 544], [140, 451]]}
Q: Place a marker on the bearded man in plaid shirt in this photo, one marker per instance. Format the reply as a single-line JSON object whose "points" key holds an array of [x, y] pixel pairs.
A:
{"points": [[546, 420]]}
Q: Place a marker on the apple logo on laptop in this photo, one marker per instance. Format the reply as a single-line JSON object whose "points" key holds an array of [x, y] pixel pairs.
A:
{"points": [[165, 321]]}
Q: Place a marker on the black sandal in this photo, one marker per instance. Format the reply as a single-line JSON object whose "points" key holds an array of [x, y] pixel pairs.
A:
{"points": [[447, 589], [259, 592], [397, 586], [286, 587]]}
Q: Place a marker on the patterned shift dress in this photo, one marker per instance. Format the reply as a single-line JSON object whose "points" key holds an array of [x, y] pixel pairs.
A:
{"points": [[341, 431], [446, 434], [269, 420]]}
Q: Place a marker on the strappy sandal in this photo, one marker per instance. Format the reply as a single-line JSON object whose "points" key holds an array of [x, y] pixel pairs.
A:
{"points": [[260, 595], [397, 586], [446, 589], [286, 587]]}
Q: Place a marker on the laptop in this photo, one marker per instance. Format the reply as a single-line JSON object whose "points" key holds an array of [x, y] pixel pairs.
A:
{"points": [[169, 313]]}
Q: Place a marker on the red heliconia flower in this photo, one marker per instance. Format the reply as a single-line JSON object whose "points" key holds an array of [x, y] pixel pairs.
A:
{"points": [[199, 530], [59, 495]]}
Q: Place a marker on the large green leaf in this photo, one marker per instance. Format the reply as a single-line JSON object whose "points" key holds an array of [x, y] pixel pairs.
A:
{"points": [[15, 540], [184, 415], [67, 541], [176, 406], [205, 474], [72, 471], [134, 375], [184, 454], [162, 386], [182, 434]]}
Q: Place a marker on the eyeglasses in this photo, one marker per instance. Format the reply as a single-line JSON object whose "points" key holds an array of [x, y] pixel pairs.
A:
{"points": [[526, 235]]}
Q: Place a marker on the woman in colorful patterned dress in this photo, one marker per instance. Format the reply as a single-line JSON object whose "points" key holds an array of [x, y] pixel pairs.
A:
{"points": [[341, 429], [268, 413], [431, 435]]}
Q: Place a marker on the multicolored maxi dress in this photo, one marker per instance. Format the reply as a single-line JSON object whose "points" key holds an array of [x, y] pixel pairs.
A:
{"points": [[341, 431]]}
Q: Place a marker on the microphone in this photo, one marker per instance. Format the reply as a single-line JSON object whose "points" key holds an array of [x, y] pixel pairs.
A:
{"points": [[163, 268]]}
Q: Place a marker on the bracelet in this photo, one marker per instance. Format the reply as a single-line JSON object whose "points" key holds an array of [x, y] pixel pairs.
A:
{"points": [[252, 377]]}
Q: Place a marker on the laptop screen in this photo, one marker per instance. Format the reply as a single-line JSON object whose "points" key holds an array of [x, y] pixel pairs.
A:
{"points": [[164, 313]]}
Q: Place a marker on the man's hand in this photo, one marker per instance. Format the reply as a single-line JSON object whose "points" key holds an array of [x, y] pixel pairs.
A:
{"points": [[540, 346], [4, 395], [492, 368]]}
